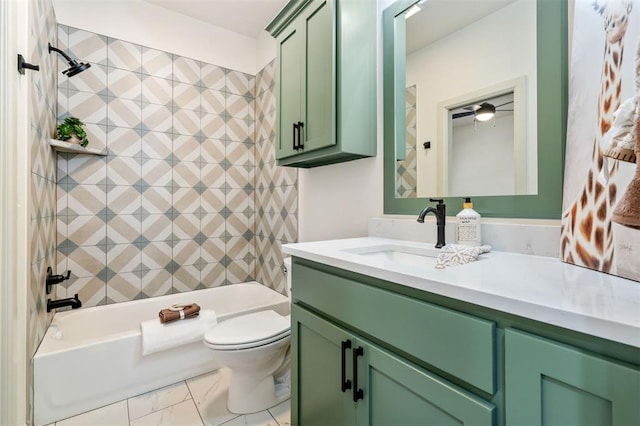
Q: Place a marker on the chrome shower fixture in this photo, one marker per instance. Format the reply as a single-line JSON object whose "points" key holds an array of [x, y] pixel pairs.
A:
{"points": [[75, 67]]}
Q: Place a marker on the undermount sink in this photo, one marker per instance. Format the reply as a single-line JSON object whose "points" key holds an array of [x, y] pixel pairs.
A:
{"points": [[399, 254]]}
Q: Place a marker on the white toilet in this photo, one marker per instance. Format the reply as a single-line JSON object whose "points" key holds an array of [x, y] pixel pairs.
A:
{"points": [[255, 347]]}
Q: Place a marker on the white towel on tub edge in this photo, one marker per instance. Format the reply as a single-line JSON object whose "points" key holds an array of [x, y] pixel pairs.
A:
{"points": [[158, 337]]}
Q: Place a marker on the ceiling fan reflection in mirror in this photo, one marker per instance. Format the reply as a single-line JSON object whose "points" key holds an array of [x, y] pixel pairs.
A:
{"points": [[481, 112]]}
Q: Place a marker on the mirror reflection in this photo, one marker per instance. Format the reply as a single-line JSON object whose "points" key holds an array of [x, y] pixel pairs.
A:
{"points": [[460, 55], [483, 130]]}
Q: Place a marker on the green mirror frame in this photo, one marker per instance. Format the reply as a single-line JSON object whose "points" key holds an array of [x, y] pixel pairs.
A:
{"points": [[552, 69]]}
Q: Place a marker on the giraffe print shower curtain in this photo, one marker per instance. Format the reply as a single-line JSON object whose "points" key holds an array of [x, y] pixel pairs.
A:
{"points": [[601, 196]]}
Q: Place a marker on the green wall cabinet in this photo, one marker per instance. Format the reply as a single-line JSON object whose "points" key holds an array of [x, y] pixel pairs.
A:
{"points": [[326, 81], [343, 379], [548, 383], [427, 359]]}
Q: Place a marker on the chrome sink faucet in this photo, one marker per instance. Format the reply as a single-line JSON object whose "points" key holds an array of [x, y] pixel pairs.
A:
{"points": [[440, 213]]}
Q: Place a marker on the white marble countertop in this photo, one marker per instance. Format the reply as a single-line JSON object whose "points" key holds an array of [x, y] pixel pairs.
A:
{"points": [[540, 288]]}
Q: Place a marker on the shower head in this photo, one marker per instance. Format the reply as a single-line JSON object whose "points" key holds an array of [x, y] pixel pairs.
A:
{"points": [[75, 67]]}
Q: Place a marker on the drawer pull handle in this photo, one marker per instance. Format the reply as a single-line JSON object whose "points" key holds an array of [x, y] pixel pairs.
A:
{"points": [[357, 392], [345, 383]]}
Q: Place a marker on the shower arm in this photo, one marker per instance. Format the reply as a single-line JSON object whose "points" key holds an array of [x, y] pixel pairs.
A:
{"points": [[71, 61]]}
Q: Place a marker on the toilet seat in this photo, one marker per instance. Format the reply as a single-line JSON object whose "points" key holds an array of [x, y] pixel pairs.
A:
{"points": [[248, 331]]}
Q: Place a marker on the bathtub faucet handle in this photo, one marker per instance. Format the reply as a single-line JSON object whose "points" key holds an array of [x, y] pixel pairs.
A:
{"points": [[55, 279]]}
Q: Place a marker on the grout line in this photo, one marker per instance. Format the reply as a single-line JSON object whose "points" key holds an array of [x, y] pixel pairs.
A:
{"points": [[168, 406], [273, 417], [197, 411], [186, 382], [128, 412], [243, 416]]}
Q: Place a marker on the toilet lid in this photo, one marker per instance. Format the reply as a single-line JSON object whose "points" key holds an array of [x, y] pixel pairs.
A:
{"points": [[251, 330]]}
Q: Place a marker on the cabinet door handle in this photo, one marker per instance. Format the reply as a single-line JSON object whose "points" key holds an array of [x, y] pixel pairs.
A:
{"points": [[295, 127], [345, 383], [357, 392], [300, 126]]}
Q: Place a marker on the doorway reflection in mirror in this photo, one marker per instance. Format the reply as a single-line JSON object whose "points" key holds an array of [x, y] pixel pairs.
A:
{"points": [[482, 148]]}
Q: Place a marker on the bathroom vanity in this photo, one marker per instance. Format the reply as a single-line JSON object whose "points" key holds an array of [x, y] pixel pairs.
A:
{"points": [[380, 336]]}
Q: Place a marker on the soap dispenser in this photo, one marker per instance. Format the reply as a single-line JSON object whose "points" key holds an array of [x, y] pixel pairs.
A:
{"points": [[468, 230]]}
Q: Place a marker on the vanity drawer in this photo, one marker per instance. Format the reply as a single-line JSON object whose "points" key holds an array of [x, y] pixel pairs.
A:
{"points": [[456, 343]]}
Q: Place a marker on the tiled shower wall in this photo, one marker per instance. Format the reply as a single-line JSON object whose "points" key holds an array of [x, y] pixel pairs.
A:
{"points": [[172, 207], [42, 205], [276, 188]]}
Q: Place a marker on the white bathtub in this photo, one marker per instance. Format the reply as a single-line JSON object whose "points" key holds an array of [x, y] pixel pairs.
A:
{"points": [[92, 357]]}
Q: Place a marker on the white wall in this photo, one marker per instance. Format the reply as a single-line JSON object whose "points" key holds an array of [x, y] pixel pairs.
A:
{"points": [[265, 50], [458, 65], [154, 26], [16, 26], [484, 158], [336, 201]]}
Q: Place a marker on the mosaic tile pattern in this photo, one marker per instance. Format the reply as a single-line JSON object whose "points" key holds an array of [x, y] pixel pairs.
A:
{"points": [[42, 90], [407, 177], [173, 206], [276, 188]]}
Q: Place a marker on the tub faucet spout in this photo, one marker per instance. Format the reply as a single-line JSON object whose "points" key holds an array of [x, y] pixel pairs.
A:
{"points": [[74, 302], [441, 216]]}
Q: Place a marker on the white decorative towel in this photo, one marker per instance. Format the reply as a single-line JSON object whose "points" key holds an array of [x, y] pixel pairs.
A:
{"points": [[457, 254], [159, 337]]}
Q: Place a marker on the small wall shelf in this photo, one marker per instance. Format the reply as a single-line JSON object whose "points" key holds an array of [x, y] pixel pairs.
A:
{"points": [[74, 148]]}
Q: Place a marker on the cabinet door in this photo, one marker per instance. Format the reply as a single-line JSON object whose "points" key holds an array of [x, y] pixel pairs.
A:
{"points": [[548, 383], [397, 392], [326, 81], [290, 61], [316, 377], [318, 102]]}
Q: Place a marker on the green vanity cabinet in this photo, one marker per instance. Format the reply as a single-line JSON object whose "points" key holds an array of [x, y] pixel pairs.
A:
{"points": [[345, 330], [340, 378], [326, 81], [317, 357], [549, 383], [423, 358]]}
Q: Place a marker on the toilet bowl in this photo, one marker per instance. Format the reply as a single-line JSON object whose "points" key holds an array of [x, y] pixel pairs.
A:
{"points": [[256, 349]]}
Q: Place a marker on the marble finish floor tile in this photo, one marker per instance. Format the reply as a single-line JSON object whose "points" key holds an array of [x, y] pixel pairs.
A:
{"points": [[184, 414], [210, 395], [201, 400], [282, 413], [262, 418], [158, 400], [114, 414]]}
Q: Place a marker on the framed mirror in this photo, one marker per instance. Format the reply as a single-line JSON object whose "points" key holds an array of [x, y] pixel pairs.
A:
{"points": [[435, 144]]}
